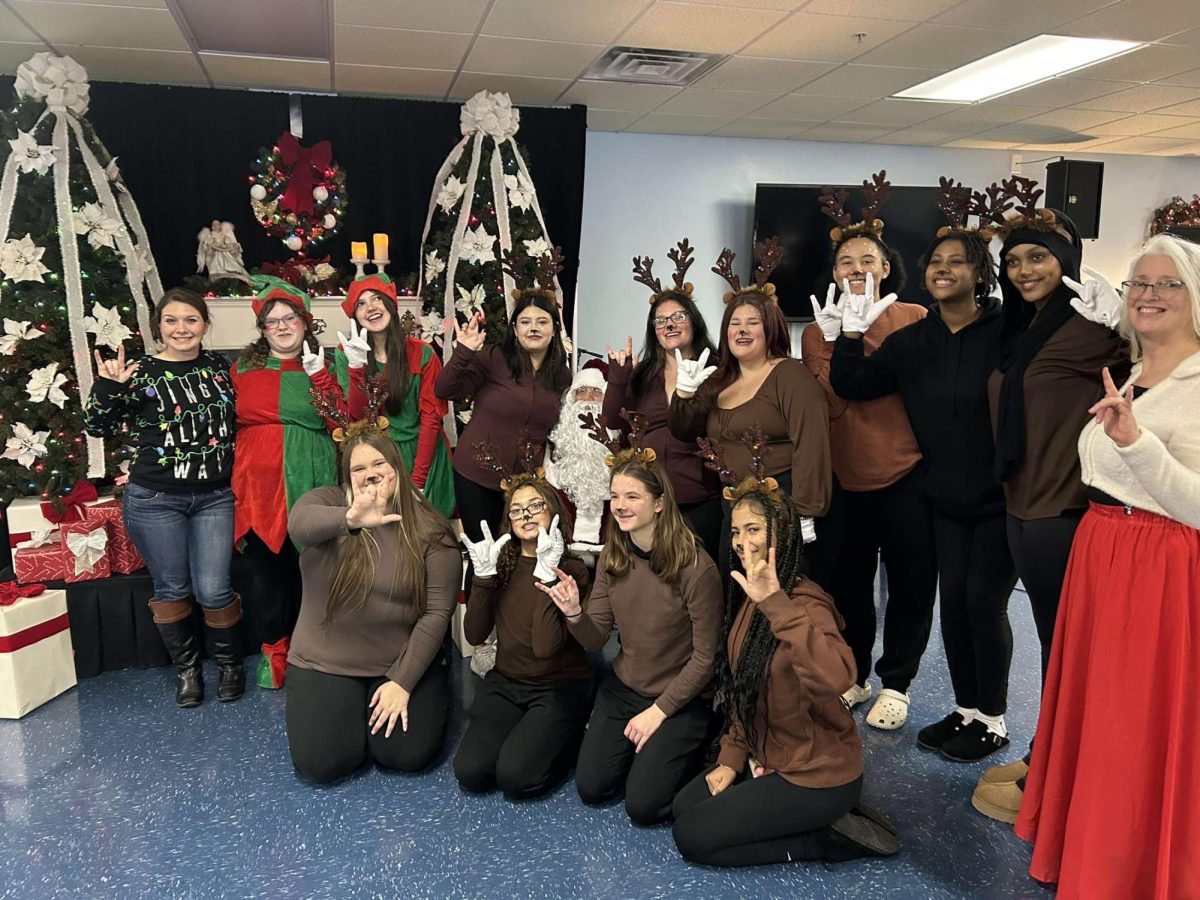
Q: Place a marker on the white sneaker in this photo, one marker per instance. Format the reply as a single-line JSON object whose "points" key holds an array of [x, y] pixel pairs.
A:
{"points": [[890, 710], [856, 695]]}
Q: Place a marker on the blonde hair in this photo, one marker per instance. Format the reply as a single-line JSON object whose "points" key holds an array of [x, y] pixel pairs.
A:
{"points": [[1186, 257], [674, 543]]}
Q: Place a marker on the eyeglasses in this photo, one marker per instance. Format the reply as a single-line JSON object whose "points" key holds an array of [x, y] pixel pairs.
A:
{"points": [[676, 318], [1159, 288], [288, 320], [516, 512]]}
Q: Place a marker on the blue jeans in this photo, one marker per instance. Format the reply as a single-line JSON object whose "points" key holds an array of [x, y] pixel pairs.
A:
{"points": [[186, 540]]}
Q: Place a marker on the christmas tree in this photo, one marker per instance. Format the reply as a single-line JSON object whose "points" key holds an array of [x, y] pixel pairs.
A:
{"points": [[77, 276]]}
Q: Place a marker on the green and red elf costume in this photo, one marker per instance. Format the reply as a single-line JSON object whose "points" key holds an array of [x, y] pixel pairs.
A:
{"points": [[283, 451], [416, 428]]}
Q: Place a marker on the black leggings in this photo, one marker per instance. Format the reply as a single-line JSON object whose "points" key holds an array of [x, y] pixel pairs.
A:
{"points": [[273, 601], [977, 578], [521, 738], [608, 765], [476, 504], [327, 719], [704, 518], [894, 523], [757, 820]]}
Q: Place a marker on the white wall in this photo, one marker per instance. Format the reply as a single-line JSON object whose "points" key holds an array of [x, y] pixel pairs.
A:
{"points": [[643, 192]]}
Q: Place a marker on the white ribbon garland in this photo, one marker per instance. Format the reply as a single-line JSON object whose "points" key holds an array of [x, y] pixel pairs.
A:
{"points": [[500, 204], [88, 548]]}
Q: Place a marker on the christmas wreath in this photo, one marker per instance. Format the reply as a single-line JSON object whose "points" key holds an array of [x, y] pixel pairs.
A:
{"points": [[298, 194], [1176, 213]]}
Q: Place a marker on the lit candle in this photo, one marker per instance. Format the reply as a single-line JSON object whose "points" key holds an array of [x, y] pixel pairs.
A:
{"points": [[358, 251], [381, 245]]}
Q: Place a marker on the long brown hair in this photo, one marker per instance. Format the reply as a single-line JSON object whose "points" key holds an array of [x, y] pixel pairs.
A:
{"points": [[395, 344], [775, 332], [256, 353], [358, 552], [512, 550], [674, 543]]}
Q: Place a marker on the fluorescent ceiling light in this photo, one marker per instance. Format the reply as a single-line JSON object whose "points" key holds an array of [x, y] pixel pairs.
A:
{"points": [[1020, 66]]}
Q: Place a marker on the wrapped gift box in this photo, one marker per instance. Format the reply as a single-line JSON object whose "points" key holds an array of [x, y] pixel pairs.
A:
{"points": [[86, 547], [123, 556], [47, 562], [37, 662], [26, 517]]}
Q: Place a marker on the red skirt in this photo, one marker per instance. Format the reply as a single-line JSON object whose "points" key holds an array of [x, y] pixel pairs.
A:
{"points": [[1112, 800]]}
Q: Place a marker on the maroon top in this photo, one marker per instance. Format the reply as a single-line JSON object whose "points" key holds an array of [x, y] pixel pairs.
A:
{"points": [[502, 409], [692, 482]]}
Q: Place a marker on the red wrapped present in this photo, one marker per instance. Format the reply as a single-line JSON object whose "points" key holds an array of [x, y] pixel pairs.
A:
{"points": [[29, 515], [47, 562], [86, 546], [123, 556]]}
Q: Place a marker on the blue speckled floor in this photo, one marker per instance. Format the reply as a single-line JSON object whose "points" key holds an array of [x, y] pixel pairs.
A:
{"points": [[111, 791]]}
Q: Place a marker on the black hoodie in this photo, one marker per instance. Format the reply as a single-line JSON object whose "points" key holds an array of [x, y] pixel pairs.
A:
{"points": [[942, 378]]}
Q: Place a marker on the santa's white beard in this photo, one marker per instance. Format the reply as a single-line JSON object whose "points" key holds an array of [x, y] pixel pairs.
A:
{"points": [[578, 466]]}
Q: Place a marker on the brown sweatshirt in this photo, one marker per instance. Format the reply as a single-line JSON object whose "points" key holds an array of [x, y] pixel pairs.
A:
{"points": [[385, 635], [804, 731], [792, 411], [533, 645], [669, 631]]}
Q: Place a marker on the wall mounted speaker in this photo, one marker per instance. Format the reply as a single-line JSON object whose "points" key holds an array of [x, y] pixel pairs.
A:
{"points": [[1074, 187]]}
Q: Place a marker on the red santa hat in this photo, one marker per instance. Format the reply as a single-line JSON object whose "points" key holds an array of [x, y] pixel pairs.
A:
{"points": [[589, 376]]}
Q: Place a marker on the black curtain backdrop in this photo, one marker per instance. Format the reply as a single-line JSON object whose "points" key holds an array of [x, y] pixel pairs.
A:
{"points": [[185, 154]]}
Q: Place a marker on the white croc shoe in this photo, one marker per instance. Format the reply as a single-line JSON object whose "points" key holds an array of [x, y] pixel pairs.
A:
{"points": [[855, 695], [890, 710]]}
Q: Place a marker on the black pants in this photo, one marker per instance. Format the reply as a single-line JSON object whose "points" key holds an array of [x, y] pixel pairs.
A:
{"points": [[521, 738], [327, 719], [1040, 550], [704, 518], [273, 601], [608, 765], [757, 820], [977, 578], [894, 523]]}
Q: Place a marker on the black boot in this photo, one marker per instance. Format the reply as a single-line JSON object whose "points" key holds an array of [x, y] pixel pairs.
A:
{"points": [[225, 640], [174, 621]]}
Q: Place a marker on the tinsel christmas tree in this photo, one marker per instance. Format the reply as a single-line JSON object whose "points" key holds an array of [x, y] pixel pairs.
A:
{"points": [[77, 276]]}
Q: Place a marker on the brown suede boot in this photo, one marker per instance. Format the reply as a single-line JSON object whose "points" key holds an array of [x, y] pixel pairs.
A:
{"points": [[226, 643], [174, 621]]}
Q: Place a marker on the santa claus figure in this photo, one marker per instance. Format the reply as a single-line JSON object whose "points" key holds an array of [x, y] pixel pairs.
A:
{"points": [[575, 464]]}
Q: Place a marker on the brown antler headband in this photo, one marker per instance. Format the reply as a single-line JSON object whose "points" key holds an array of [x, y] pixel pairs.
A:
{"points": [[330, 405], [618, 454], [532, 276], [681, 255], [767, 256], [876, 193], [756, 482], [486, 454]]}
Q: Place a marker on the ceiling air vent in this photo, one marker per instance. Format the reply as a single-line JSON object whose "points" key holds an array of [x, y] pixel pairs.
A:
{"points": [[644, 66]]}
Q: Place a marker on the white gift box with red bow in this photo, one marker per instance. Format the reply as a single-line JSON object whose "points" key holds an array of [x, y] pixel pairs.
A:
{"points": [[37, 662]]}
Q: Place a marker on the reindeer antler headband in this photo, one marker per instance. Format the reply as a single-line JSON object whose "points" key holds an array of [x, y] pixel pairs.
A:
{"points": [[329, 405], [681, 255], [487, 455], [876, 192], [619, 453], [756, 482], [1025, 192], [532, 276], [767, 256], [957, 202]]}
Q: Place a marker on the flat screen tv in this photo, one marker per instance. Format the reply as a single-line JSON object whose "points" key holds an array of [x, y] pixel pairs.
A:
{"points": [[793, 213]]}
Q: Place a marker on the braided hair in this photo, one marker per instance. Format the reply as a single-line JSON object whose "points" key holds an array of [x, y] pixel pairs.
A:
{"points": [[740, 682]]}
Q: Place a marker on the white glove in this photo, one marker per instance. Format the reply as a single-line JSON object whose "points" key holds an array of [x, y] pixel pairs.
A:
{"points": [[808, 530], [860, 312], [828, 317], [355, 347], [486, 552], [313, 362], [1098, 301], [691, 373], [550, 546]]}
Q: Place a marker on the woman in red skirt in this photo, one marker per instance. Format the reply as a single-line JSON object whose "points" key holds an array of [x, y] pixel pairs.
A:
{"points": [[1112, 800]]}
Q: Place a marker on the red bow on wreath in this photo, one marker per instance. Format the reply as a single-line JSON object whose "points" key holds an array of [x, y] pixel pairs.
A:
{"points": [[302, 163], [70, 507]]}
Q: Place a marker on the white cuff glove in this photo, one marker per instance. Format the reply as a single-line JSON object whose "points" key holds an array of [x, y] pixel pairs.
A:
{"points": [[1098, 301], [314, 363], [355, 347], [550, 546], [486, 552], [829, 316], [859, 312], [808, 529], [691, 373]]}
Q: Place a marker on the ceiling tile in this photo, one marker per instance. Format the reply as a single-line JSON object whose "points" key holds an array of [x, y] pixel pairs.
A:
{"points": [[581, 21], [1183, 150], [1064, 91], [1143, 144], [949, 45], [145, 4], [268, 72], [12, 55], [1137, 20], [416, 15], [896, 113], [867, 82], [698, 102], [918, 137], [705, 29], [359, 45], [1074, 119], [1186, 38], [661, 123], [395, 82], [539, 59], [1147, 123], [784, 5], [614, 95], [102, 26], [805, 35], [1141, 98], [808, 108], [13, 30], [1190, 108], [1191, 131], [750, 73], [1186, 79], [1044, 132], [763, 128], [537, 91], [985, 115], [844, 132], [1096, 145], [1149, 63], [1027, 16], [610, 119], [151, 66], [979, 142], [901, 10]]}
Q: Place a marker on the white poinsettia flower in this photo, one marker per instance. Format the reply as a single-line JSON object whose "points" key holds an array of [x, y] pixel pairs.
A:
{"points": [[478, 246], [34, 157], [520, 191], [450, 193], [21, 260], [324, 271], [536, 248], [26, 445], [429, 326], [470, 302], [46, 384], [101, 228], [14, 333], [113, 173], [434, 266], [106, 324]]}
